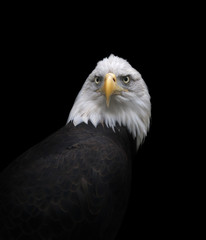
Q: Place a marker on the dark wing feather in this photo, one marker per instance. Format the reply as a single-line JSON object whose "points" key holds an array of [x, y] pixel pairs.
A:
{"points": [[75, 184]]}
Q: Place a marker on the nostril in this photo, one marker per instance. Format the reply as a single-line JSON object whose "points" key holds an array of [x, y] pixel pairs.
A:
{"points": [[114, 79]]}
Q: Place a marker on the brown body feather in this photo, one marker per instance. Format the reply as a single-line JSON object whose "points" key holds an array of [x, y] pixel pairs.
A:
{"points": [[73, 185]]}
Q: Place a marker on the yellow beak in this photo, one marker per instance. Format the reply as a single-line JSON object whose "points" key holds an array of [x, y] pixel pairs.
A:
{"points": [[111, 87]]}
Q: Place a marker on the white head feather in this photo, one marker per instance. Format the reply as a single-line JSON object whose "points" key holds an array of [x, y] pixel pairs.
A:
{"points": [[131, 108]]}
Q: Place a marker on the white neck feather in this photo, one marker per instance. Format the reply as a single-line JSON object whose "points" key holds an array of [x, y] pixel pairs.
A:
{"points": [[133, 115]]}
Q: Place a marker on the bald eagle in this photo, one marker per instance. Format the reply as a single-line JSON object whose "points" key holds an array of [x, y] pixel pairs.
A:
{"points": [[75, 184]]}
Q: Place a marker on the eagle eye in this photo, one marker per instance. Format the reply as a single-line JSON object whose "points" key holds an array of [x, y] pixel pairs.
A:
{"points": [[97, 80], [126, 79]]}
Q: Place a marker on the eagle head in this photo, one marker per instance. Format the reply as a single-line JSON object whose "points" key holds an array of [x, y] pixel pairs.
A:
{"points": [[114, 93]]}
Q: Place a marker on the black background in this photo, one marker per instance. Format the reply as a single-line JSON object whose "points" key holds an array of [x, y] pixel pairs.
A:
{"points": [[48, 56]]}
